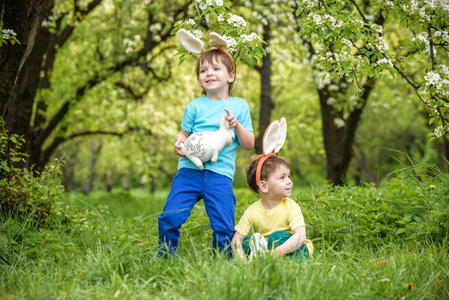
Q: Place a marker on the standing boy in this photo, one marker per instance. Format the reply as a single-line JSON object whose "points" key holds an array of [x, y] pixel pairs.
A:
{"points": [[216, 75]]}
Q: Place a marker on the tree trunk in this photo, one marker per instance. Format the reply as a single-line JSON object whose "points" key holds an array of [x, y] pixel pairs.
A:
{"points": [[362, 165], [14, 16], [266, 101], [152, 185], [109, 183], [68, 168], [125, 184], [88, 183], [338, 142], [20, 110], [25, 18]]}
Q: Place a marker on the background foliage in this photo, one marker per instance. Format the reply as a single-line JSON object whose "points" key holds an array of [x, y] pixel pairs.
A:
{"points": [[108, 99]]}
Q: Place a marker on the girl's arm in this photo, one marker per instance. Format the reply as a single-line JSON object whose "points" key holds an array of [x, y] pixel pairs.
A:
{"points": [[236, 245], [180, 138], [293, 243], [245, 137]]}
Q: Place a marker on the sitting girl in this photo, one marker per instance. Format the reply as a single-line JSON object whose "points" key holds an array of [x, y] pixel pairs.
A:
{"points": [[277, 220]]}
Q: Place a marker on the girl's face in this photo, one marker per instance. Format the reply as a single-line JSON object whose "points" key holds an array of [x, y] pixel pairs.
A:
{"points": [[214, 78], [279, 184]]}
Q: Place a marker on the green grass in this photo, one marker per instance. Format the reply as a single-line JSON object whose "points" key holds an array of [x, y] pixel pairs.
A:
{"points": [[371, 243]]}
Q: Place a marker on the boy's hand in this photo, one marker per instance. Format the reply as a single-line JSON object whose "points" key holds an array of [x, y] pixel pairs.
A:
{"points": [[233, 122], [177, 147], [180, 139]]}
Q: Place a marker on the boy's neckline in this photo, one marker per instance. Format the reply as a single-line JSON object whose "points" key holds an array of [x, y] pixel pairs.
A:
{"points": [[229, 98]]}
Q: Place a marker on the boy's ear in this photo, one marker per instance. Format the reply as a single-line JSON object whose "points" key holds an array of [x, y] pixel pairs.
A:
{"points": [[231, 77], [263, 187], [198, 80]]}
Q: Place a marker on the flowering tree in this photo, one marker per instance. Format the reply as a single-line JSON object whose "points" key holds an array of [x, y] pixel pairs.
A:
{"points": [[350, 45], [274, 21], [215, 16], [120, 50], [341, 107], [261, 17]]}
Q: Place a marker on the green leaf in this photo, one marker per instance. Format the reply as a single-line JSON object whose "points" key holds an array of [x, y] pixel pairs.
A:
{"points": [[400, 231]]}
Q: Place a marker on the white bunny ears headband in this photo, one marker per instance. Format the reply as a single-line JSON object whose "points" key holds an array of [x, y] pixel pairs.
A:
{"points": [[194, 45], [273, 140]]}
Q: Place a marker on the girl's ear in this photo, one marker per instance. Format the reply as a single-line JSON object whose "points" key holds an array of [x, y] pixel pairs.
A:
{"points": [[263, 187]]}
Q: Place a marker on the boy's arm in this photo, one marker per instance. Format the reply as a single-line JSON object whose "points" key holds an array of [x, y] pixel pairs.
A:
{"points": [[246, 138], [293, 243], [180, 138], [236, 245]]}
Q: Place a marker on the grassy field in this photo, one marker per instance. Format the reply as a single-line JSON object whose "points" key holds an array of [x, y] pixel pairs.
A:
{"points": [[389, 242]]}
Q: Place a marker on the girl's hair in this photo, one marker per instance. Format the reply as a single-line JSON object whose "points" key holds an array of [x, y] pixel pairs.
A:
{"points": [[268, 168], [215, 55]]}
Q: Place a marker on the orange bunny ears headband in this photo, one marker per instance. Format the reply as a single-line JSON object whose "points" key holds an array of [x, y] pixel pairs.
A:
{"points": [[272, 142], [194, 45]]}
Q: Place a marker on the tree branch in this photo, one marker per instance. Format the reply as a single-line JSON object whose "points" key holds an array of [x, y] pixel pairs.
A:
{"points": [[59, 140]]}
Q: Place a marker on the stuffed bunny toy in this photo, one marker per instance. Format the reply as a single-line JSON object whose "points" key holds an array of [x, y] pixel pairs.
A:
{"points": [[258, 246], [204, 146]]}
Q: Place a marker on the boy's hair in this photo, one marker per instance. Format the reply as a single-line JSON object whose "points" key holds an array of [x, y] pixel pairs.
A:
{"points": [[268, 167], [212, 55]]}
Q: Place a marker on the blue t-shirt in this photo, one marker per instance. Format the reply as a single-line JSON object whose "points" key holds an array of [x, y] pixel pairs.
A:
{"points": [[203, 114]]}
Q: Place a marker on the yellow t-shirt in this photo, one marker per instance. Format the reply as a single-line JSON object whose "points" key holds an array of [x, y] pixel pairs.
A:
{"points": [[286, 216]]}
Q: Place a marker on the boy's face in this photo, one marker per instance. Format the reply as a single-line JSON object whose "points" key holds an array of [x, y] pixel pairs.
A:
{"points": [[214, 77], [279, 184]]}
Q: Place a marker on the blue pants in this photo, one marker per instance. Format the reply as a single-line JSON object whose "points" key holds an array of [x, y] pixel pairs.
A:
{"points": [[276, 239], [188, 187]]}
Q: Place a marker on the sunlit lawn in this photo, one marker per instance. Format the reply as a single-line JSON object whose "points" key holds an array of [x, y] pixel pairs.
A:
{"points": [[109, 250]]}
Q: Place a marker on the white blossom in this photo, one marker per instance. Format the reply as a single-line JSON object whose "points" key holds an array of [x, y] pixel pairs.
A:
{"points": [[331, 101], [230, 40], [339, 123], [198, 33], [7, 33], [439, 131], [346, 42], [444, 69], [382, 44], [432, 78], [249, 38], [385, 61], [191, 22], [155, 27], [237, 21], [445, 36]]}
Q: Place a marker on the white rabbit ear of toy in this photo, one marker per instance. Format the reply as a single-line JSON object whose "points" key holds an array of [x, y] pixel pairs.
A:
{"points": [[190, 42], [274, 137], [217, 41]]}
